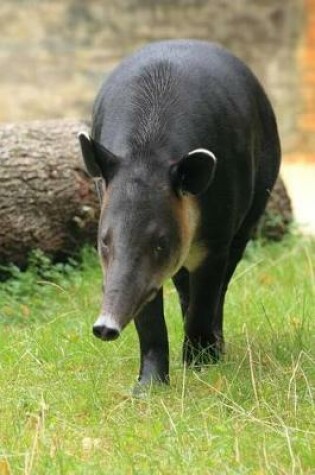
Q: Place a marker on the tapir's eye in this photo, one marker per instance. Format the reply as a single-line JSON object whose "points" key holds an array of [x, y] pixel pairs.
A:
{"points": [[160, 246]]}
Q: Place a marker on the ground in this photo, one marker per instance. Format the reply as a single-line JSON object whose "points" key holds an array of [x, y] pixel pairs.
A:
{"points": [[66, 401]]}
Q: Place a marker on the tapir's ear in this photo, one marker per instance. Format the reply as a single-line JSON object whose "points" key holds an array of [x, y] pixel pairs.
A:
{"points": [[98, 161], [194, 173]]}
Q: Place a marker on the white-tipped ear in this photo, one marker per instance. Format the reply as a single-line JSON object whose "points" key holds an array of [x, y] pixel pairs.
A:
{"points": [[83, 132], [206, 152], [194, 173], [88, 154]]}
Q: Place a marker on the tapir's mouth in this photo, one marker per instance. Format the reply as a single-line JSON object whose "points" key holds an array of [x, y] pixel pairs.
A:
{"points": [[149, 296]]}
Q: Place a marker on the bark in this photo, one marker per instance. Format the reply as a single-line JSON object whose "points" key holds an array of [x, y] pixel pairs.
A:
{"points": [[276, 221], [47, 200]]}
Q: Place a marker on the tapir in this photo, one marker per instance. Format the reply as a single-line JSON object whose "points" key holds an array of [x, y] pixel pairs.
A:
{"points": [[184, 141]]}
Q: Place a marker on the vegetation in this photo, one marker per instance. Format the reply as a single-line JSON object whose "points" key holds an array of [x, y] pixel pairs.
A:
{"points": [[66, 402]]}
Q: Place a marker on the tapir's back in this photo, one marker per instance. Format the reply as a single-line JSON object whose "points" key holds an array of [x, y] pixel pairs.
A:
{"points": [[175, 96], [203, 92]]}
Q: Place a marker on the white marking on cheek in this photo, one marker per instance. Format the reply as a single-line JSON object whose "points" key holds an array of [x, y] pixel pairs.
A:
{"points": [[196, 256], [193, 216], [108, 320], [190, 226]]}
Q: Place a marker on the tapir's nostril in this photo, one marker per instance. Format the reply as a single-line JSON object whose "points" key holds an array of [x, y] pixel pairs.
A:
{"points": [[105, 333]]}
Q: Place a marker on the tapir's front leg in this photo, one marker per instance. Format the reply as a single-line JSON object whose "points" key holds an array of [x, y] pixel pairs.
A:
{"points": [[204, 320], [154, 348], [181, 282]]}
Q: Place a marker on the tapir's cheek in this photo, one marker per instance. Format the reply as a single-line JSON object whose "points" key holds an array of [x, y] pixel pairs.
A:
{"points": [[171, 265], [186, 215]]}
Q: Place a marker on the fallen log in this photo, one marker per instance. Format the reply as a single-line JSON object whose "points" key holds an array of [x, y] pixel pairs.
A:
{"points": [[48, 202]]}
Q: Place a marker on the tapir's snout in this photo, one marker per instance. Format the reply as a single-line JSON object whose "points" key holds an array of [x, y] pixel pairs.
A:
{"points": [[106, 328]]}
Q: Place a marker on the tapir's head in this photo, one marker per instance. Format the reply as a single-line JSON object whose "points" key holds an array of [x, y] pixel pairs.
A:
{"points": [[149, 216]]}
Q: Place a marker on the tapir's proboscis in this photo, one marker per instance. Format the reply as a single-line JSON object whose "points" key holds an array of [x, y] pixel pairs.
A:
{"points": [[185, 143]]}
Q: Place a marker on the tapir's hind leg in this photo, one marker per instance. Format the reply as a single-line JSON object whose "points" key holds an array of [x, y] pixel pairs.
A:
{"points": [[236, 252], [237, 249], [154, 348]]}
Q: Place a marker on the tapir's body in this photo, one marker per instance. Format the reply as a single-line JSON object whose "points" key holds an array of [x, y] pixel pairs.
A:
{"points": [[187, 144]]}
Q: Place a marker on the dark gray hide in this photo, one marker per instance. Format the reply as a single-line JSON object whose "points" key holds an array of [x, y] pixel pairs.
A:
{"points": [[186, 142]]}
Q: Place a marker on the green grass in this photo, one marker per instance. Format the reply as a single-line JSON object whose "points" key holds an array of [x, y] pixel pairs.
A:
{"points": [[65, 397]]}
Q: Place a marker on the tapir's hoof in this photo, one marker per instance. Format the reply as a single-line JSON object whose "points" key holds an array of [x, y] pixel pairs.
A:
{"points": [[146, 383], [198, 355], [140, 391], [144, 389]]}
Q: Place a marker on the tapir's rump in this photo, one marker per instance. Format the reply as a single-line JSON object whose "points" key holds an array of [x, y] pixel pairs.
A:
{"points": [[186, 144]]}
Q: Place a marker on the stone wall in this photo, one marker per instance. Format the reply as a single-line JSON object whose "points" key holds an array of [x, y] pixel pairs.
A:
{"points": [[305, 146], [54, 54]]}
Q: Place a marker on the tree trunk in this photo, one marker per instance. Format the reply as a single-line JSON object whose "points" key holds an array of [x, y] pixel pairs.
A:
{"points": [[278, 216], [47, 200]]}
